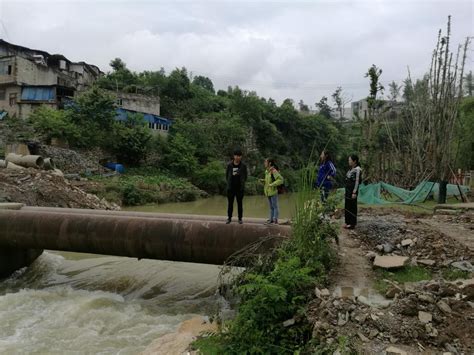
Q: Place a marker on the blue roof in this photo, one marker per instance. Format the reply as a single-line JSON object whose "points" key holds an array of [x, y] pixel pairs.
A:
{"points": [[148, 117], [38, 94]]}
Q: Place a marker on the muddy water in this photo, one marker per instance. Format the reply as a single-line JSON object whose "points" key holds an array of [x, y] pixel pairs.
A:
{"points": [[90, 304], [254, 206]]}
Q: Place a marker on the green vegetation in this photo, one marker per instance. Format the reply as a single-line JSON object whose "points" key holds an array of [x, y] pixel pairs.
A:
{"points": [[145, 186], [275, 288], [405, 274], [451, 274]]}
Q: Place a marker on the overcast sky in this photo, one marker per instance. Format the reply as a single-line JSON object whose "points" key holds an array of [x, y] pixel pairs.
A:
{"points": [[281, 49]]}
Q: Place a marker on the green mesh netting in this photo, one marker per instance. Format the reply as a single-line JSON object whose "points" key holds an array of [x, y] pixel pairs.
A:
{"points": [[382, 193]]}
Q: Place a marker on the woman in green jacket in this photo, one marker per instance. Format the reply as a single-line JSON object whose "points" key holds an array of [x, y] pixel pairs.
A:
{"points": [[273, 179]]}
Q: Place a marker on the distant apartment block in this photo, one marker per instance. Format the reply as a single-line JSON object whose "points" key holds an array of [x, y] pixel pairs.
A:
{"points": [[148, 106], [360, 109], [30, 78]]}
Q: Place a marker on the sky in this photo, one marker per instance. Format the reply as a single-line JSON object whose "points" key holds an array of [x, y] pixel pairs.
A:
{"points": [[301, 50]]}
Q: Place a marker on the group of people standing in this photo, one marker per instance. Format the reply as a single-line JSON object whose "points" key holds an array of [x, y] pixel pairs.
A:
{"points": [[236, 175]]}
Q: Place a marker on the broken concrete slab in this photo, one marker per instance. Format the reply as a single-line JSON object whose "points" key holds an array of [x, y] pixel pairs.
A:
{"points": [[407, 242], [444, 307], [390, 261], [425, 317], [427, 262]]}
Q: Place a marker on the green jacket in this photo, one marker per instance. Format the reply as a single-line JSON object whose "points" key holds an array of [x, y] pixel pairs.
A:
{"points": [[270, 188]]}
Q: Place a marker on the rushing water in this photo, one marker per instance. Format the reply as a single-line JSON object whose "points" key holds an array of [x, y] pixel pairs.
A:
{"points": [[90, 304]]}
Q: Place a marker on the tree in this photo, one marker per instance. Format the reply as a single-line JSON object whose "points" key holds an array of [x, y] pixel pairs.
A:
{"points": [[50, 123], [340, 100], [303, 107], [118, 64], [179, 157], [324, 109], [131, 139], [93, 113], [394, 90], [204, 82], [469, 84]]}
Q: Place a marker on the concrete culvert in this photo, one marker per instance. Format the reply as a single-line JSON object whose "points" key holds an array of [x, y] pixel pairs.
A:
{"points": [[49, 164], [27, 161]]}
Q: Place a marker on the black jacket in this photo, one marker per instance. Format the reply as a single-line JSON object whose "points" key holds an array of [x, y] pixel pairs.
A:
{"points": [[243, 175]]}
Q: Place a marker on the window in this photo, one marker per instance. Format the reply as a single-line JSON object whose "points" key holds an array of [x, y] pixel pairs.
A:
{"points": [[2, 94], [13, 99], [5, 68], [119, 102]]}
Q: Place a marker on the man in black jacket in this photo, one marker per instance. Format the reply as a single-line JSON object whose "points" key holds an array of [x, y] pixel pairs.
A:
{"points": [[236, 175]]}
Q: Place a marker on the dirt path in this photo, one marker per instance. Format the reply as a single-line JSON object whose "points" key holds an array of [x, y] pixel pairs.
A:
{"points": [[354, 269]]}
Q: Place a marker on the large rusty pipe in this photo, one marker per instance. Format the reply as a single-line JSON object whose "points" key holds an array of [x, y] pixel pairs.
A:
{"points": [[140, 214], [206, 242]]}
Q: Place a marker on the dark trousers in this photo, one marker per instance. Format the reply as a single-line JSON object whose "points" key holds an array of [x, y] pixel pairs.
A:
{"points": [[350, 209], [231, 194]]}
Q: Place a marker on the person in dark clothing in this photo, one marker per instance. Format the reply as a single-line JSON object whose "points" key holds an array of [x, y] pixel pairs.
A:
{"points": [[236, 175], [326, 175], [353, 180]]}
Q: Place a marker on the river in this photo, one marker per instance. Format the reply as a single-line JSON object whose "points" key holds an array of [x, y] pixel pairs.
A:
{"points": [[92, 304]]}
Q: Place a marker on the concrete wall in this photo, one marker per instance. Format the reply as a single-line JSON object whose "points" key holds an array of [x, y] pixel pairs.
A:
{"points": [[139, 103], [30, 73]]}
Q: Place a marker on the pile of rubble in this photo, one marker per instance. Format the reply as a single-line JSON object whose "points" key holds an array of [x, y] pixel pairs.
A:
{"points": [[72, 162], [35, 187], [430, 314], [397, 242]]}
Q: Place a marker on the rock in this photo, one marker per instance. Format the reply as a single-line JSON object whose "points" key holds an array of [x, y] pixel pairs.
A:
{"points": [[392, 291], [444, 307], [387, 248], [342, 319], [364, 300], [390, 262], [379, 247], [373, 333], [427, 262], [463, 265], [371, 255], [431, 331], [425, 317], [289, 322], [409, 288], [468, 291], [322, 293], [363, 337], [425, 297], [391, 350], [407, 242], [374, 317]]}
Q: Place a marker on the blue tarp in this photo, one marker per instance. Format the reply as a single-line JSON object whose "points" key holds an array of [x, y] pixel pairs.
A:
{"points": [[37, 94], [149, 118], [3, 114]]}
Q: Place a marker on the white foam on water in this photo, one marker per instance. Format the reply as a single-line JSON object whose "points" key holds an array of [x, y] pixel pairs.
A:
{"points": [[99, 305]]}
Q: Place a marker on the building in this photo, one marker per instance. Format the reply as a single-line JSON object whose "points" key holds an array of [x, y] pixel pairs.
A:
{"points": [[360, 109], [30, 78], [148, 106]]}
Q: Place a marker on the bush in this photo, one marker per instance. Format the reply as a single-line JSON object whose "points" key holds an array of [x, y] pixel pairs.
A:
{"points": [[211, 178], [50, 123]]}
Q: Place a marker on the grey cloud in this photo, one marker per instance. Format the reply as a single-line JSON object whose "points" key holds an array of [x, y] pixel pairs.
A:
{"points": [[300, 50]]}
